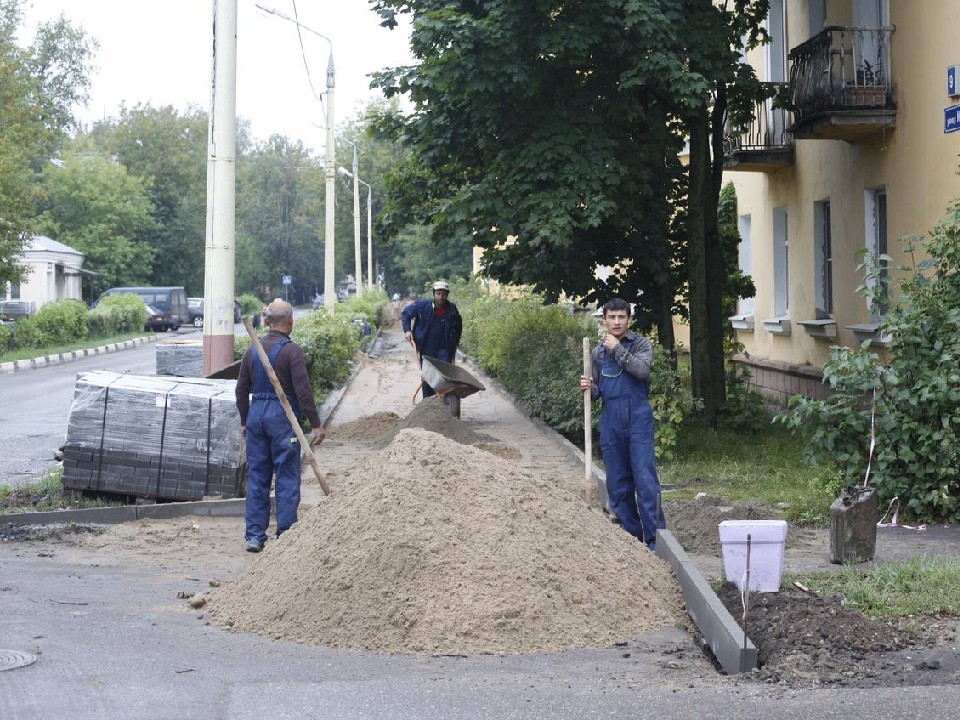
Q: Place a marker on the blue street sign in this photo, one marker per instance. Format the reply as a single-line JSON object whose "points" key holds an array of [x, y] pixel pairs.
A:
{"points": [[951, 119], [952, 89], [287, 279]]}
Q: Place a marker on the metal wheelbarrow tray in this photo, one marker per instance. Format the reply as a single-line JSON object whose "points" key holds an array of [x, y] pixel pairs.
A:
{"points": [[448, 379]]}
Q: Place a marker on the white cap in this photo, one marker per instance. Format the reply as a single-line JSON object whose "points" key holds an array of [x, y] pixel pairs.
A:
{"points": [[441, 285]]}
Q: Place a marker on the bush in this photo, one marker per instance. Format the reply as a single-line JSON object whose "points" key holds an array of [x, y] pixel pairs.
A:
{"points": [[61, 322], [368, 308], [900, 419], [116, 314], [6, 338], [250, 304]]}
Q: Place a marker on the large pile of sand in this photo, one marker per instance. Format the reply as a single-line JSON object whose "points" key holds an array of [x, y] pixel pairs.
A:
{"points": [[431, 546]]}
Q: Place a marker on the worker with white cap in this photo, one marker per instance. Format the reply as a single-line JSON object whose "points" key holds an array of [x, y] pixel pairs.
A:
{"points": [[434, 326]]}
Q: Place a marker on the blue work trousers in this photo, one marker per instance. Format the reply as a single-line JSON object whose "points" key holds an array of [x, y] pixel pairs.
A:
{"points": [[272, 451], [627, 442]]}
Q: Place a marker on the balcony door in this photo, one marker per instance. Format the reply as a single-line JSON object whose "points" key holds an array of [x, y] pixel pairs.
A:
{"points": [[870, 57], [776, 70]]}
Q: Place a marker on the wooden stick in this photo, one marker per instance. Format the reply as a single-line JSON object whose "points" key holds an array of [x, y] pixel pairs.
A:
{"points": [[588, 426], [265, 360]]}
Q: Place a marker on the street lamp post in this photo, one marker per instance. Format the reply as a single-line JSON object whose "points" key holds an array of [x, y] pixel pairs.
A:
{"points": [[356, 217], [329, 174]]}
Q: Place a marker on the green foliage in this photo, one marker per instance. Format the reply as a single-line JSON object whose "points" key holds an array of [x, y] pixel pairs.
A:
{"points": [[368, 307], [669, 400], [117, 314], [250, 304], [911, 403], [919, 587], [95, 206], [536, 351], [61, 322], [329, 347], [744, 409], [38, 87], [6, 338]]}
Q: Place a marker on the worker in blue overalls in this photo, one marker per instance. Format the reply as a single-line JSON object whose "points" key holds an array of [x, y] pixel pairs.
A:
{"points": [[620, 376], [434, 325], [273, 450]]}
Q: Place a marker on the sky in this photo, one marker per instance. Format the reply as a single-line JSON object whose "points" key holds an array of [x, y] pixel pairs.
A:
{"points": [[160, 52]]}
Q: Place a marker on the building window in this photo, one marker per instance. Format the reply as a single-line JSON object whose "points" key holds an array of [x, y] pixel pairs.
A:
{"points": [[876, 244], [745, 262], [823, 260], [781, 268], [14, 291]]}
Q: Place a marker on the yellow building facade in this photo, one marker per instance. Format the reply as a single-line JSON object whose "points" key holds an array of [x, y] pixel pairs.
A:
{"points": [[868, 152]]}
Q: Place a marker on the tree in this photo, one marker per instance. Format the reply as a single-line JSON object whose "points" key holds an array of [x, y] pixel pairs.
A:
{"points": [[558, 128], [167, 149], [538, 134], [39, 85], [95, 206], [724, 90], [278, 227]]}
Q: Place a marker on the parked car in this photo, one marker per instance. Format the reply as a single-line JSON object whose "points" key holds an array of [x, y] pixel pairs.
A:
{"points": [[156, 320], [170, 300], [195, 308]]}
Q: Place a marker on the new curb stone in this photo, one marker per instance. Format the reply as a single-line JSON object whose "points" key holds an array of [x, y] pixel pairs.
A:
{"points": [[721, 633]]}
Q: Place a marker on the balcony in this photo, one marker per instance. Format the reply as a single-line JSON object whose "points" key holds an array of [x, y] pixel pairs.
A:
{"points": [[840, 87], [765, 144]]}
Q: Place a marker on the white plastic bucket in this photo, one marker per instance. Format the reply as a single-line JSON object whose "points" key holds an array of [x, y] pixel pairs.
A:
{"points": [[767, 539]]}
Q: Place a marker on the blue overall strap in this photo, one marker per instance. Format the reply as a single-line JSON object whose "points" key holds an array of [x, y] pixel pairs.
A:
{"points": [[262, 387]]}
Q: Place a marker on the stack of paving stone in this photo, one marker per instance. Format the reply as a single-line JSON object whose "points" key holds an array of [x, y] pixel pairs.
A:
{"points": [[182, 358], [156, 438]]}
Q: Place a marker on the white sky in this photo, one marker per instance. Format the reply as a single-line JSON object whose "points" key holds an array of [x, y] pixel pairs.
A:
{"points": [[160, 51]]}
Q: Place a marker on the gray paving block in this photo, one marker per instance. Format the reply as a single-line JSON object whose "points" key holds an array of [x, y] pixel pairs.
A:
{"points": [[721, 633]]}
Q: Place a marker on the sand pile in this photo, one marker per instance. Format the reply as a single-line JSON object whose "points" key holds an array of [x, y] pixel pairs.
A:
{"points": [[431, 414], [435, 547]]}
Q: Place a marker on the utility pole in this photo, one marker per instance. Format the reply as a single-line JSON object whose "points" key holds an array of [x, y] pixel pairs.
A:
{"points": [[329, 174], [220, 252]]}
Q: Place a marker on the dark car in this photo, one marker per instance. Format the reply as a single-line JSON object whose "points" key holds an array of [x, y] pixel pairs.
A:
{"points": [[195, 308], [156, 320]]}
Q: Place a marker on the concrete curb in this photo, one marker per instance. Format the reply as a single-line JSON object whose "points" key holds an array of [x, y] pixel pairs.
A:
{"points": [[233, 507], [721, 633], [47, 360]]}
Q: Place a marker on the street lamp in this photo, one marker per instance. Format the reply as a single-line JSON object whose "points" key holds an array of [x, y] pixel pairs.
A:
{"points": [[356, 216], [329, 174]]}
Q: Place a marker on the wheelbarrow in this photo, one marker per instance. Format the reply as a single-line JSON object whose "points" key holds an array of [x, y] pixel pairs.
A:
{"points": [[450, 382]]}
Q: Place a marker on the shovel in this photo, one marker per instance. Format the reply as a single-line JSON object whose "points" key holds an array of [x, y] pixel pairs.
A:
{"points": [[294, 422]]}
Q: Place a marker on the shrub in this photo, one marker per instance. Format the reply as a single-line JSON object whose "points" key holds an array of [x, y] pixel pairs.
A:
{"points": [[61, 322], [6, 338], [117, 314], [249, 304], [900, 419], [368, 307]]}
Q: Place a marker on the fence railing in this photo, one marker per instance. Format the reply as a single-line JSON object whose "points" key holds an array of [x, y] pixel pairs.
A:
{"points": [[842, 67], [768, 129]]}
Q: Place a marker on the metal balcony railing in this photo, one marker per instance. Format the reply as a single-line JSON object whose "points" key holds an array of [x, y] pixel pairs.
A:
{"points": [[768, 129], [841, 68]]}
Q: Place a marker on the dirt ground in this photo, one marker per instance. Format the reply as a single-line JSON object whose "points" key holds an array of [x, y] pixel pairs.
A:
{"points": [[802, 640]]}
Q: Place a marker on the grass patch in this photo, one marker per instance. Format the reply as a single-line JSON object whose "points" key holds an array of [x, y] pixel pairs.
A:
{"points": [[762, 466], [46, 494], [917, 587], [30, 353]]}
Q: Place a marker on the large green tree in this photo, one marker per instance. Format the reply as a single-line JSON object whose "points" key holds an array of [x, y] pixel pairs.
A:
{"points": [[278, 228], [167, 149], [94, 205], [550, 135], [39, 86], [540, 133]]}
